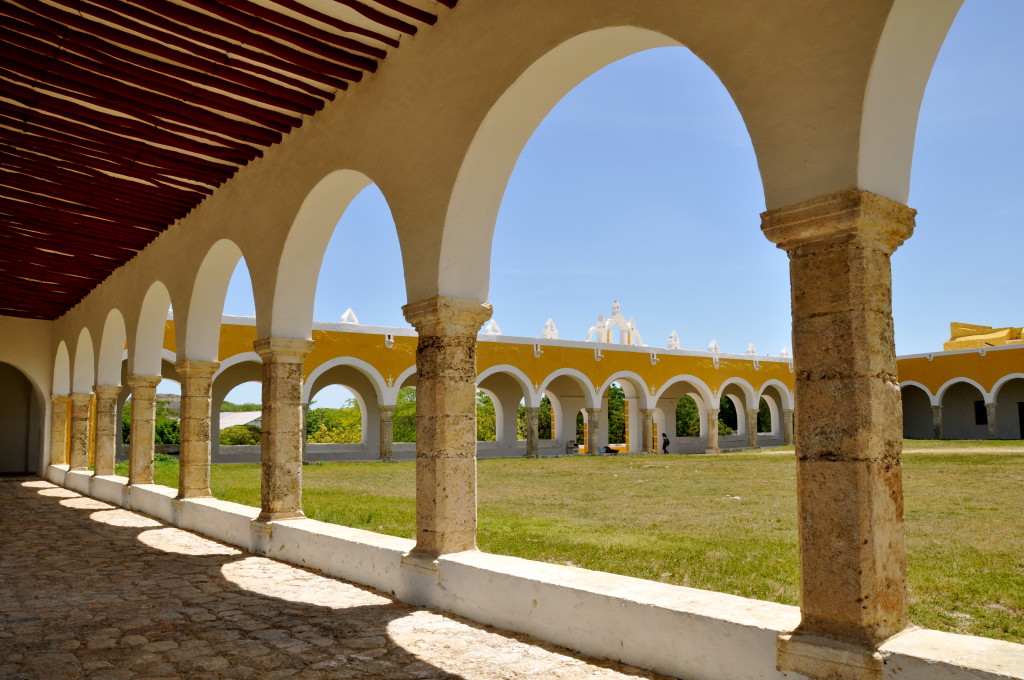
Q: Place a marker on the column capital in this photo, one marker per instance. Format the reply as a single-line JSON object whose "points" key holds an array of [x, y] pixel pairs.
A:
{"points": [[106, 391], [753, 411], [80, 398], [291, 350], [196, 368], [532, 409], [447, 315], [647, 411], [853, 215], [138, 381], [60, 399], [386, 408]]}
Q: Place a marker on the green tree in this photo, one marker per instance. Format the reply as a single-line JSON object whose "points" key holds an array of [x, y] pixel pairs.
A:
{"points": [[486, 419], [405, 415], [616, 414], [764, 417], [687, 417], [727, 417], [543, 419], [580, 421], [335, 425], [228, 407], [240, 435]]}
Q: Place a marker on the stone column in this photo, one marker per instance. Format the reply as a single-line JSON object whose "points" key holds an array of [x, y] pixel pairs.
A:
{"points": [[647, 430], [387, 433], [752, 427], [713, 446], [140, 451], [593, 429], [937, 422], [532, 432], [60, 403], [283, 427], [446, 422], [787, 426], [194, 456], [849, 477], [993, 427], [79, 451], [107, 428]]}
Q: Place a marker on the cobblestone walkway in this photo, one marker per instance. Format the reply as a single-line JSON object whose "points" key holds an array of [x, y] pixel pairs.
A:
{"points": [[88, 590]]}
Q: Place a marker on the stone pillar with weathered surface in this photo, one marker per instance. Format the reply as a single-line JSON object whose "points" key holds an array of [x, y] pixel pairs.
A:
{"points": [[532, 431], [60, 404], [283, 427], [194, 455], [446, 422], [387, 433], [140, 451], [752, 427], [593, 429], [848, 441], [993, 423], [937, 422], [647, 430], [107, 428], [787, 426], [713, 446], [81, 403]]}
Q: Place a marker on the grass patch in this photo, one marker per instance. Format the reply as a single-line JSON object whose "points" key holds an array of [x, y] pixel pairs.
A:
{"points": [[723, 522]]}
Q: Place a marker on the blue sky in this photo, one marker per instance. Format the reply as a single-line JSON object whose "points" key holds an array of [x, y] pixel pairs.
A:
{"points": [[641, 185]]}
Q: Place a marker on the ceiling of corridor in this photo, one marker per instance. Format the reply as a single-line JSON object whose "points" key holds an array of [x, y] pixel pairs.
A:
{"points": [[117, 118]]}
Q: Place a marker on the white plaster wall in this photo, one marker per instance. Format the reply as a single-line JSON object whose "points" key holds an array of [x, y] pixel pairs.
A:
{"points": [[958, 421]]}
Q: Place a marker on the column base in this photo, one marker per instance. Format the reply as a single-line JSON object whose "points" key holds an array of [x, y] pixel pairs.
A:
{"points": [[193, 493], [265, 517], [421, 563], [822, 658]]}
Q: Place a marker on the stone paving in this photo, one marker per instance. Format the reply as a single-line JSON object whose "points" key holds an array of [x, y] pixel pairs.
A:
{"points": [[88, 590]]}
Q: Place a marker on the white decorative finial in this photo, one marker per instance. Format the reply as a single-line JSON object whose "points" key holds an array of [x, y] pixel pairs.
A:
{"points": [[784, 353], [750, 349], [673, 340], [349, 316], [549, 332], [713, 347], [491, 328]]}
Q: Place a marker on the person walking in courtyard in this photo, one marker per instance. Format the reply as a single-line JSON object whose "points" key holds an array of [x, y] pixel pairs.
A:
{"points": [[664, 443]]}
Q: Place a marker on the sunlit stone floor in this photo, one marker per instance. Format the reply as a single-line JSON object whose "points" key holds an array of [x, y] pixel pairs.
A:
{"points": [[88, 590]]}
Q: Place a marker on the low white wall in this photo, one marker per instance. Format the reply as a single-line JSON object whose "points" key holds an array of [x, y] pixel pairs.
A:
{"points": [[689, 633]]}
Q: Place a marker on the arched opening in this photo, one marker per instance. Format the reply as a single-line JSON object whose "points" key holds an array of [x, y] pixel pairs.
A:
{"points": [[917, 413], [681, 413], [500, 406], [964, 415], [21, 413], [1009, 399], [237, 388], [569, 396]]}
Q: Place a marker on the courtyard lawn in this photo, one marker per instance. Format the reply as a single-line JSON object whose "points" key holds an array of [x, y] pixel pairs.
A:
{"points": [[723, 522]]}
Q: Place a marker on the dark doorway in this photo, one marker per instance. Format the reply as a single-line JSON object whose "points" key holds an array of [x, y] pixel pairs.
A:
{"points": [[1020, 419], [19, 422]]}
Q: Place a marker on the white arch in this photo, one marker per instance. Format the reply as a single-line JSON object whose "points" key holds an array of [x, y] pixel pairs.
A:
{"points": [[529, 394], [303, 253], [83, 375], [953, 381], [236, 359], [643, 391], [464, 267], [61, 370], [932, 399], [112, 349], [746, 388], [702, 389], [787, 396], [202, 330], [363, 367], [590, 399], [1002, 381], [149, 334], [903, 61]]}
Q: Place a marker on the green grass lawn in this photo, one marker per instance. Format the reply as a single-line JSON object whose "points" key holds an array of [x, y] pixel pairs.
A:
{"points": [[723, 522]]}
